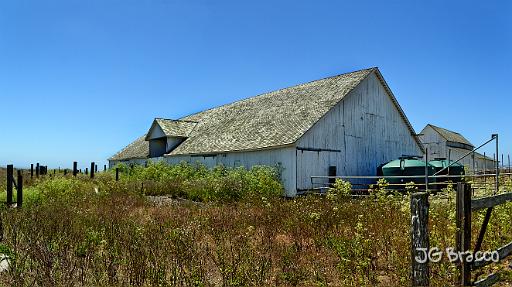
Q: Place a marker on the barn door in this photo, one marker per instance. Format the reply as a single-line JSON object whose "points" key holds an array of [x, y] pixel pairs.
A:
{"points": [[314, 163]]}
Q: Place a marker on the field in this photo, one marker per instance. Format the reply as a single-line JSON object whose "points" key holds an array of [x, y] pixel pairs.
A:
{"points": [[187, 226]]}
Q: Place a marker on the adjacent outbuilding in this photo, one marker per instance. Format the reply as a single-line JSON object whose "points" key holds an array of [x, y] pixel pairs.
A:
{"points": [[344, 125], [447, 144]]}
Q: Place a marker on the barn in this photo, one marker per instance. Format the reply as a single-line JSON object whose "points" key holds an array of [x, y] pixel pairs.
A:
{"points": [[443, 143], [348, 124]]}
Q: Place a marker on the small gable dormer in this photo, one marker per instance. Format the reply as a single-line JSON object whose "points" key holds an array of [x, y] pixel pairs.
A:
{"points": [[165, 135]]}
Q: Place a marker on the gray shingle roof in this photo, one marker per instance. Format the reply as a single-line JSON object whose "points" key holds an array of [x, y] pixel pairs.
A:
{"points": [[451, 135], [137, 149], [273, 119], [269, 120], [174, 128]]}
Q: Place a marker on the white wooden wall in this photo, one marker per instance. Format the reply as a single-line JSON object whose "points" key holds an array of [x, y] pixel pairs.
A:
{"points": [[437, 148], [366, 127], [435, 143], [284, 157]]}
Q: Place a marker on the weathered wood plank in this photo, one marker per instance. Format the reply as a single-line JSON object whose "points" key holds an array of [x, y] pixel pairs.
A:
{"points": [[504, 251], [490, 201], [419, 239], [483, 229], [463, 235], [488, 281]]}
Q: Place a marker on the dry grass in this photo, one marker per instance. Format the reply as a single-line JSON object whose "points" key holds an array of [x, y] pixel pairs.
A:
{"points": [[70, 235]]}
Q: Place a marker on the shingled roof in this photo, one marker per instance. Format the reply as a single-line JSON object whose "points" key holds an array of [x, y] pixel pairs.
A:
{"points": [[173, 128], [272, 119], [136, 150], [451, 135]]}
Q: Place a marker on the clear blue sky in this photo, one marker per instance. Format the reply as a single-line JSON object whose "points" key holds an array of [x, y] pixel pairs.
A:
{"points": [[79, 80]]}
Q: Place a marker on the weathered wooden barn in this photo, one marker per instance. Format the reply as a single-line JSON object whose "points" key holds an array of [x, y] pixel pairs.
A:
{"points": [[443, 143], [350, 123]]}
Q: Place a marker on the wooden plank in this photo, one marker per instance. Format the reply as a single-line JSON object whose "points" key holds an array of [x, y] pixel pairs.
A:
{"points": [[483, 229], [419, 238], [488, 281], [503, 252], [490, 201]]}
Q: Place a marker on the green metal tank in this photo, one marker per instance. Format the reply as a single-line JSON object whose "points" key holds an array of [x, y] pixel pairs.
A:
{"points": [[406, 166], [455, 169]]}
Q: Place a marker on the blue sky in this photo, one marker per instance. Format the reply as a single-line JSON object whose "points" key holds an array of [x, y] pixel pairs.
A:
{"points": [[81, 79]]}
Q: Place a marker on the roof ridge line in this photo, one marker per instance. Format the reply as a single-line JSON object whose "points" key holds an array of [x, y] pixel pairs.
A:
{"points": [[275, 91]]}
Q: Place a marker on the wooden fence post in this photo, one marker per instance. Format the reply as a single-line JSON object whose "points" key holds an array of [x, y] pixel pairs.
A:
{"points": [[420, 244], [463, 235], [37, 169], [31, 170], [117, 174], [104, 167], [93, 168], [10, 184], [75, 168], [19, 190], [86, 171]]}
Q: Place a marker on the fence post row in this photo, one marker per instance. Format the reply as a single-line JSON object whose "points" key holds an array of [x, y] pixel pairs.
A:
{"points": [[11, 183], [419, 239]]}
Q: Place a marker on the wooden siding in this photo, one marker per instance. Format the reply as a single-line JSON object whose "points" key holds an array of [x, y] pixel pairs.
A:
{"points": [[438, 147], [367, 129], [435, 143], [155, 132], [282, 157]]}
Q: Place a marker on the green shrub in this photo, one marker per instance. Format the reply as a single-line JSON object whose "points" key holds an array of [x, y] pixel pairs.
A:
{"points": [[340, 188], [197, 182]]}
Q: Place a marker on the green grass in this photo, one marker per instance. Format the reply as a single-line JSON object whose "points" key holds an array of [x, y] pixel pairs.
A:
{"points": [[77, 231]]}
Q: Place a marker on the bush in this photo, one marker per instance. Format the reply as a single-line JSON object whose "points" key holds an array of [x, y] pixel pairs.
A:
{"points": [[197, 182]]}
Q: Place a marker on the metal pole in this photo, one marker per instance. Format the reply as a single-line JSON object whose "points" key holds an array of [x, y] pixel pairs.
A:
{"points": [[485, 170], [426, 169], [474, 169], [449, 159], [508, 163], [497, 183], [475, 149]]}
